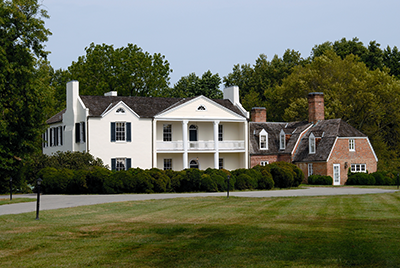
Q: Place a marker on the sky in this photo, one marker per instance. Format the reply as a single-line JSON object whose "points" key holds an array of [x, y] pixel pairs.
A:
{"points": [[196, 36]]}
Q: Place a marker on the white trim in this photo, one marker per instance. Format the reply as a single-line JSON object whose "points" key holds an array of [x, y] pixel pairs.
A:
{"points": [[263, 133], [372, 149], [165, 112], [311, 144], [352, 145], [299, 139], [333, 147], [334, 182], [308, 169], [116, 106]]}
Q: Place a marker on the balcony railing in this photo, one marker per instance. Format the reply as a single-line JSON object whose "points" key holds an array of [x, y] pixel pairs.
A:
{"points": [[200, 145]]}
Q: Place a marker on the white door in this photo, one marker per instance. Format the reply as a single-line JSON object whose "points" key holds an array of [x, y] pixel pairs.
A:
{"points": [[336, 174]]}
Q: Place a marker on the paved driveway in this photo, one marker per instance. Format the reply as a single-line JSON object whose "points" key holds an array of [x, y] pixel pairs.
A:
{"points": [[65, 201]]}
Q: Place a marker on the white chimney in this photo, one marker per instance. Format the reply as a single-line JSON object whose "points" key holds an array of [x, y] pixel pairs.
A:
{"points": [[232, 94], [72, 95]]}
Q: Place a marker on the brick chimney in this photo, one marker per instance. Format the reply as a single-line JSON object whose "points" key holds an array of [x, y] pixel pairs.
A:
{"points": [[259, 114], [315, 107]]}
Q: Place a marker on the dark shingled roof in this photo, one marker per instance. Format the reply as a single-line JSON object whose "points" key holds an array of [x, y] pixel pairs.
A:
{"points": [[325, 132], [292, 129], [56, 118], [145, 107]]}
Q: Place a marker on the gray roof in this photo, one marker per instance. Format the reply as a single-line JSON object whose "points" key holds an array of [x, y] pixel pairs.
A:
{"points": [[292, 130], [325, 132], [145, 107]]}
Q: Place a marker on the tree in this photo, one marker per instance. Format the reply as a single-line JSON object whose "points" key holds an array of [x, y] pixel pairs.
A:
{"points": [[391, 59], [128, 70], [24, 95], [366, 99], [192, 85]]}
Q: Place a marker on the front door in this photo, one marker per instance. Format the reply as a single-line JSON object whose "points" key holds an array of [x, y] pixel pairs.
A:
{"points": [[336, 174]]}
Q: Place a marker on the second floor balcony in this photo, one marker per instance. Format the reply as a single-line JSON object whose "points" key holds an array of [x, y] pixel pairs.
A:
{"points": [[231, 145]]}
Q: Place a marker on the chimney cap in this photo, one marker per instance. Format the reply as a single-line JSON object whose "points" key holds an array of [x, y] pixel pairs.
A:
{"points": [[258, 108], [315, 93]]}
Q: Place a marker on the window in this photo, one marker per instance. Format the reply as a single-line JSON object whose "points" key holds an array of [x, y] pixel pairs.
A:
{"points": [[264, 163], [120, 111], [221, 163], [60, 135], [311, 144], [167, 132], [282, 140], [310, 169], [352, 145], [220, 132], [263, 140], [358, 168], [120, 131], [201, 108], [193, 133], [119, 164], [80, 132], [167, 164], [194, 164]]}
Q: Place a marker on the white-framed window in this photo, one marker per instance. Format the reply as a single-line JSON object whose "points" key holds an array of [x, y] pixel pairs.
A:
{"points": [[220, 163], [60, 136], [282, 140], [220, 132], [80, 132], [311, 143], [358, 168], [167, 132], [120, 111], [263, 140], [167, 163], [201, 108], [120, 131], [352, 145], [264, 163], [310, 169], [194, 164], [121, 163]]}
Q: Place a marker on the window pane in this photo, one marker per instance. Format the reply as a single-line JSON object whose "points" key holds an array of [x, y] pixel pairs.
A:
{"points": [[120, 164], [263, 142], [220, 132], [167, 164], [120, 131], [167, 133]]}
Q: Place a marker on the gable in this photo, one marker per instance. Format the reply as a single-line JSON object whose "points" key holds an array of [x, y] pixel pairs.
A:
{"points": [[119, 110], [200, 108]]}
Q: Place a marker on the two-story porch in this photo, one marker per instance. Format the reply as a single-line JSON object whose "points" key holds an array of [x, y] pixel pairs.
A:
{"points": [[203, 144]]}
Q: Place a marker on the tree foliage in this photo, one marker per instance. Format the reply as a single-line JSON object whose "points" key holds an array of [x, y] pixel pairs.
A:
{"points": [[366, 99], [24, 88], [192, 85], [128, 70]]}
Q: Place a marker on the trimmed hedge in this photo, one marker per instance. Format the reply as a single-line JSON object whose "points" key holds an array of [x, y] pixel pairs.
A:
{"points": [[320, 180], [100, 180]]}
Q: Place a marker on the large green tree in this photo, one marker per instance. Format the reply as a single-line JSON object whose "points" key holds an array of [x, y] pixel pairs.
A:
{"points": [[24, 94], [128, 70], [192, 85], [257, 83], [366, 99]]}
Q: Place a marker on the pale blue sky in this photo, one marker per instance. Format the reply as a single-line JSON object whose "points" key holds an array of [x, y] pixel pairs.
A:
{"points": [[196, 36]]}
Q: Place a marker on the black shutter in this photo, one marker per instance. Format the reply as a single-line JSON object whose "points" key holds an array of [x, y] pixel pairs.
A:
{"points": [[77, 132], [61, 135], [83, 132], [56, 136], [128, 132], [128, 163], [112, 131], [51, 137], [113, 164]]}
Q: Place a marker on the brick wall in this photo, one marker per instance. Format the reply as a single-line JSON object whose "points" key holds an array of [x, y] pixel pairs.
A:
{"points": [[256, 159], [259, 114], [315, 107]]}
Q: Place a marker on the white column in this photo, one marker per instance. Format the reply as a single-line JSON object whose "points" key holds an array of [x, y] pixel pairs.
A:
{"points": [[216, 145], [246, 144], [185, 143], [154, 141]]}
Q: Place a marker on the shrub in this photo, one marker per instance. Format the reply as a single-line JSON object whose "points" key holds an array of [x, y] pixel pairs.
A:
{"points": [[244, 181], [320, 180], [360, 179], [95, 180], [55, 181], [77, 184], [143, 182], [298, 175], [266, 182], [282, 176], [207, 184]]}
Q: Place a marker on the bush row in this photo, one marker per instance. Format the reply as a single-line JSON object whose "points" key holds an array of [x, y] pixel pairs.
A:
{"points": [[100, 180], [320, 180], [376, 178]]}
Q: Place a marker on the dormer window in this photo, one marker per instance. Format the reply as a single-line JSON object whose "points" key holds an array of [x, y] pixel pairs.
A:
{"points": [[282, 140], [263, 140], [201, 108], [311, 143], [120, 111]]}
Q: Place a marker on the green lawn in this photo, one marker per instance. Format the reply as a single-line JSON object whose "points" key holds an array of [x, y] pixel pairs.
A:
{"points": [[7, 201], [331, 231]]}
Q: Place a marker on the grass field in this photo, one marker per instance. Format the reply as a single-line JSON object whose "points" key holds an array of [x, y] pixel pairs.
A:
{"points": [[331, 231]]}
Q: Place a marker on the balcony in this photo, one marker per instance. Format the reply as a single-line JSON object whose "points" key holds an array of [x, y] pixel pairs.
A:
{"points": [[193, 146]]}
